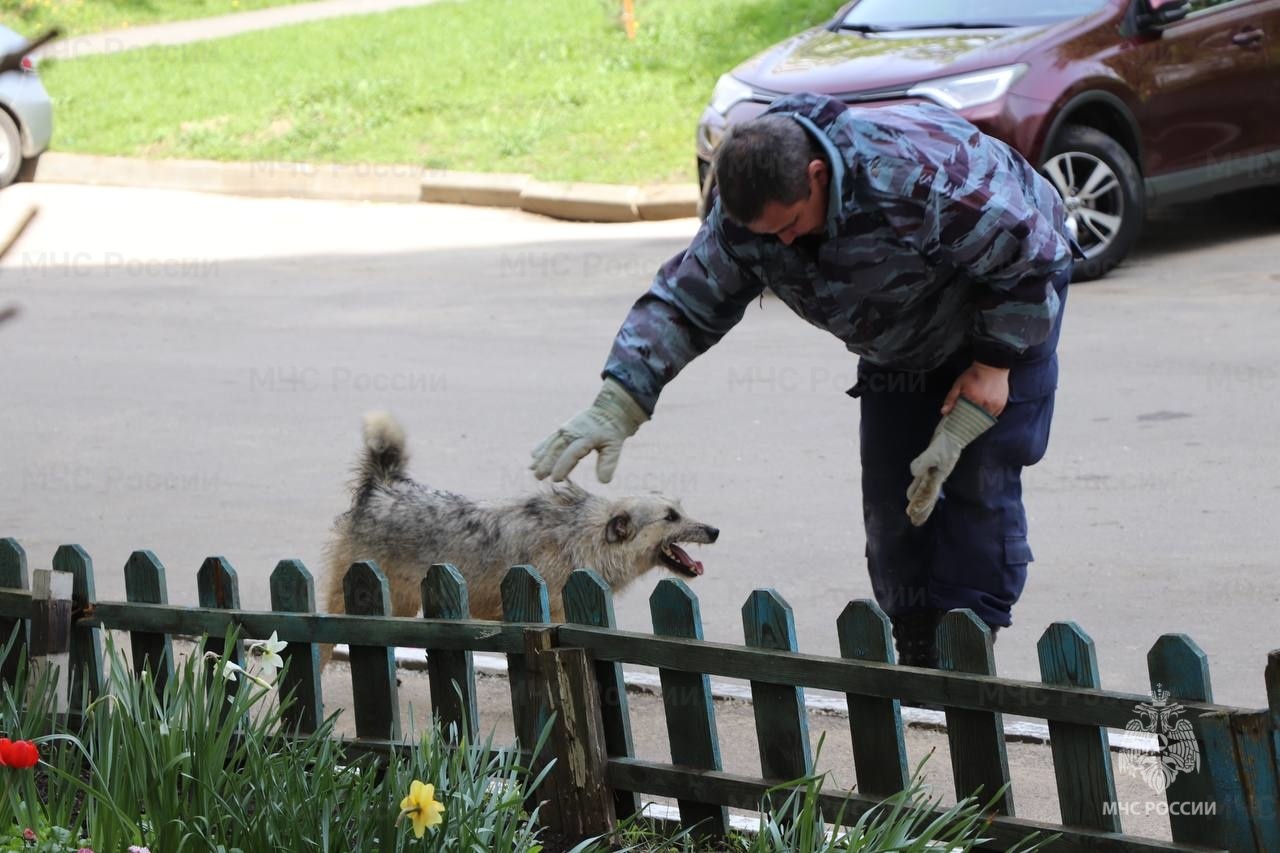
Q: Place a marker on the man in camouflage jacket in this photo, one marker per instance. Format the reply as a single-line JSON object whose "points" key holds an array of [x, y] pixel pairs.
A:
{"points": [[940, 257]]}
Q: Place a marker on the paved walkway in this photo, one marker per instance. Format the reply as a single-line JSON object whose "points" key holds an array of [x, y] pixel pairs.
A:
{"points": [[202, 29]]}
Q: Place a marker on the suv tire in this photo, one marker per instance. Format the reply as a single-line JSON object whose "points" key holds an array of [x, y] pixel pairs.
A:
{"points": [[1103, 193], [10, 149]]}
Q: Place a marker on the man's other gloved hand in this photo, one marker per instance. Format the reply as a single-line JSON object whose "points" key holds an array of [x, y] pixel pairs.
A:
{"points": [[931, 468], [610, 420]]}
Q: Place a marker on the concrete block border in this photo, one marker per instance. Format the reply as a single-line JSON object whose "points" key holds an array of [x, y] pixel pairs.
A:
{"points": [[815, 701], [381, 182]]}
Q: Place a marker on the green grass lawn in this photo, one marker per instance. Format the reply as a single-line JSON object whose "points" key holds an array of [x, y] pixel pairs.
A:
{"points": [[31, 17], [550, 88]]}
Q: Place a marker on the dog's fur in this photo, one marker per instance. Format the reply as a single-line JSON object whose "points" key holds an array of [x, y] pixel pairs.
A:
{"points": [[405, 527]]}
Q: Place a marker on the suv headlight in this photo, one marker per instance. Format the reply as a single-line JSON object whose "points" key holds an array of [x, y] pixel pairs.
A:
{"points": [[729, 90], [969, 90]]}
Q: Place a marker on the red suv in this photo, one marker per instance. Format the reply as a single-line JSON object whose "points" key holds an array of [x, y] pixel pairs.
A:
{"points": [[1124, 104]]}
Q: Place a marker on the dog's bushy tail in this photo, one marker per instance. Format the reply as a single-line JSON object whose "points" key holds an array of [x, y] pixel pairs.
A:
{"points": [[385, 455]]}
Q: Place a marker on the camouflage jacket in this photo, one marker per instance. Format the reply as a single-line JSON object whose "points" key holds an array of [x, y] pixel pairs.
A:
{"points": [[937, 238]]}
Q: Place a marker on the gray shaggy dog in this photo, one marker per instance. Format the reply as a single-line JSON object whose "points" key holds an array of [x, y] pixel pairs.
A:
{"points": [[406, 527]]}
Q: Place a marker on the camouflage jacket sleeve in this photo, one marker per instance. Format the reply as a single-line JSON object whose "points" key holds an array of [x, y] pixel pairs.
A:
{"points": [[1002, 223], [696, 297]]}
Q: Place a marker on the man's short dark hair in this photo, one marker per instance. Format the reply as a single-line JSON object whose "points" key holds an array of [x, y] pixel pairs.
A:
{"points": [[761, 161]]}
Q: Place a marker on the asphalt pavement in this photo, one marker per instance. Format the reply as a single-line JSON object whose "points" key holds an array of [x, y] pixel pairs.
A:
{"points": [[189, 372]]}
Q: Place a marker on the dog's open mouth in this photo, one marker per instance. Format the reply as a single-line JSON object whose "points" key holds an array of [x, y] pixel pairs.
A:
{"points": [[675, 558]]}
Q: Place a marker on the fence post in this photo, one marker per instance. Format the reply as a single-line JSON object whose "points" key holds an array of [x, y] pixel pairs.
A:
{"points": [[1255, 767], [1081, 756], [577, 799], [589, 601], [1178, 667], [51, 633], [451, 673], [1272, 817], [86, 643], [686, 698], [144, 583], [875, 724], [217, 588], [978, 756], [293, 590], [373, 668], [782, 726], [524, 599], [13, 575]]}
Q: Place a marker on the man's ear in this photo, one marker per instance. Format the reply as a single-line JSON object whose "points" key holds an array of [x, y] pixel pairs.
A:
{"points": [[819, 172], [619, 529]]}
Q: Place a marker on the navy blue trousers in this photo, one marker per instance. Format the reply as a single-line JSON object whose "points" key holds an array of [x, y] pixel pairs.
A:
{"points": [[973, 551]]}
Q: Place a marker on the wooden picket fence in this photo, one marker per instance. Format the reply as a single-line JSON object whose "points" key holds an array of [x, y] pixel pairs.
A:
{"points": [[571, 675]]}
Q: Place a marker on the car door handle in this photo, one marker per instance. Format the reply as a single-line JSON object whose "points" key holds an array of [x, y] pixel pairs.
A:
{"points": [[1247, 38]]}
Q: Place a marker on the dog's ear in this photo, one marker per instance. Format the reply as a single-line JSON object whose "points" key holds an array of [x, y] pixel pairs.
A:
{"points": [[619, 529]]}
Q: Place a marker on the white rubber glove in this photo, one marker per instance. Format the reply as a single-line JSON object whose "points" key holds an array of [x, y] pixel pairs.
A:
{"points": [[931, 468], [611, 419]]}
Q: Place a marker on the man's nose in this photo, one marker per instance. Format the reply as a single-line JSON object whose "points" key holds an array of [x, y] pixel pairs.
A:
{"points": [[787, 237]]}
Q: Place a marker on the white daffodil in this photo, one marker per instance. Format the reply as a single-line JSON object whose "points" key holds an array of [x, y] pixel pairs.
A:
{"points": [[269, 660], [231, 671]]}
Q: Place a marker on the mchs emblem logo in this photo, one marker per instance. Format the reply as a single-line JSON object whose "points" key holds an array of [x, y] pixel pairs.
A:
{"points": [[1178, 752]]}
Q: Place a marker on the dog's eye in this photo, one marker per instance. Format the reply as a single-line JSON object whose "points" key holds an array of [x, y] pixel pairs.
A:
{"points": [[672, 515]]}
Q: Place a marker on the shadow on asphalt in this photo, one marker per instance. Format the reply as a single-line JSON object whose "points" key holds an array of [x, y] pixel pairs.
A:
{"points": [[1214, 222]]}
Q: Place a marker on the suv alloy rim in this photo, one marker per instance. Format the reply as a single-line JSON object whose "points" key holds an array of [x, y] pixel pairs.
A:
{"points": [[1092, 195]]}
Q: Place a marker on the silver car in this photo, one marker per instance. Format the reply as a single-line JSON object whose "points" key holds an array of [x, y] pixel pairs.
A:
{"points": [[26, 114]]}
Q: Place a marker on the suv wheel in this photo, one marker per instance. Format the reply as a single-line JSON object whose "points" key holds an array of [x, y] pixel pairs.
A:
{"points": [[10, 150], [1103, 194]]}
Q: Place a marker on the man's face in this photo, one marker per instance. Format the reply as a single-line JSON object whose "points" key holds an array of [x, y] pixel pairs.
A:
{"points": [[807, 216]]}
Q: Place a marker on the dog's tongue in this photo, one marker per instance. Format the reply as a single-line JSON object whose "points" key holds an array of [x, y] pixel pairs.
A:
{"points": [[690, 565]]}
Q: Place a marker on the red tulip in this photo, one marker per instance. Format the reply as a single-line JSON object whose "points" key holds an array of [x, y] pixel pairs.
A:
{"points": [[18, 754]]}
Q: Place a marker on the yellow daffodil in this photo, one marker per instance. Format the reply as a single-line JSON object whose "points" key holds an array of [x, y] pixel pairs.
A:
{"points": [[421, 807]]}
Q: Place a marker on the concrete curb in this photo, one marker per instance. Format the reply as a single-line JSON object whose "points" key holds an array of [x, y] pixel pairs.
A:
{"points": [[381, 182], [1019, 731]]}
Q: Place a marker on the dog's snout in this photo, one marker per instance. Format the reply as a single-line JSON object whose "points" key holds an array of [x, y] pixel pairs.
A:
{"points": [[713, 533]]}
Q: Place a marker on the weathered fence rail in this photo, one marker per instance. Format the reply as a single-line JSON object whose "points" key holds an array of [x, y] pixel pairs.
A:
{"points": [[572, 673]]}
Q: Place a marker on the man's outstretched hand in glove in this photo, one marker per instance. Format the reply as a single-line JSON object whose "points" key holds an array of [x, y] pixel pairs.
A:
{"points": [[603, 426], [971, 408]]}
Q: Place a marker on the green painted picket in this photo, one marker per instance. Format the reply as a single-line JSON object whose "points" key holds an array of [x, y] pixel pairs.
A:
{"points": [[294, 591], [875, 725], [524, 599], [13, 575], [1081, 756], [686, 699], [373, 667], [144, 583], [589, 601], [1238, 749], [451, 673]]}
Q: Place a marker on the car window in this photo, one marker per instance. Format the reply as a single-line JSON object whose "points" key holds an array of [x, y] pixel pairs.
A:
{"points": [[894, 14]]}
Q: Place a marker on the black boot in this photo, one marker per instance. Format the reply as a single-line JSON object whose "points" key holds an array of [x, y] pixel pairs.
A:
{"points": [[915, 635]]}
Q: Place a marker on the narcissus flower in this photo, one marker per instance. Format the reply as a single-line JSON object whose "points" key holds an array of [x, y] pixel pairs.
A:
{"points": [[421, 807], [18, 754], [269, 659], [231, 671]]}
